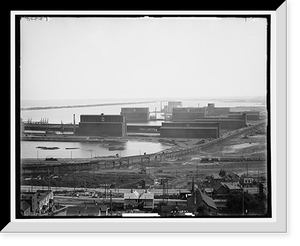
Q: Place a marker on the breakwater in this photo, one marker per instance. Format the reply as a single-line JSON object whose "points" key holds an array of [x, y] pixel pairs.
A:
{"points": [[85, 105]]}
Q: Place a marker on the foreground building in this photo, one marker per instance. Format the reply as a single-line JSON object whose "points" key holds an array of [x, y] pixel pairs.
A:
{"points": [[88, 210], [200, 202], [36, 203], [133, 199]]}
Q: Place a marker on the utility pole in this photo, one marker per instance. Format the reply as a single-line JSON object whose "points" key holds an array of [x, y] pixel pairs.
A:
{"points": [[105, 191], [243, 200], [48, 180], [110, 204], [73, 124]]}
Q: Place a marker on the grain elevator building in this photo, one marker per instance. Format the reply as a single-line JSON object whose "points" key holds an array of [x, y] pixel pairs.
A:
{"points": [[187, 114], [102, 125], [135, 114], [190, 130]]}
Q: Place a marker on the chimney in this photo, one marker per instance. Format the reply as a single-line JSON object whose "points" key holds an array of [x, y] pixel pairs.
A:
{"points": [[245, 118], [73, 123]]}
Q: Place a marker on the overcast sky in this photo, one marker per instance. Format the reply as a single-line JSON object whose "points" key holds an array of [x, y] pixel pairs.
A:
{"points": [[138, 58]]}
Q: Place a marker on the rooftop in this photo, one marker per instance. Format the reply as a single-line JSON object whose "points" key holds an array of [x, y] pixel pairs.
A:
{"points": [[41, 194], [133, 194], [24, 206], [207, 200], [231, 185], [147, 195]]}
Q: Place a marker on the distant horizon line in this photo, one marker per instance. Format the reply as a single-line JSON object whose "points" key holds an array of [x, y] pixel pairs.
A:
{"points": [[152, 98]]}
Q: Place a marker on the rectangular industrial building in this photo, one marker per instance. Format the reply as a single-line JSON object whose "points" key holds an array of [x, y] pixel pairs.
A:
{"points": [[251, 115], [193, 124], [236, 116], [102, 125], [227, 123], [189, 132], [136, 114], [187, 114], [217, 111]]}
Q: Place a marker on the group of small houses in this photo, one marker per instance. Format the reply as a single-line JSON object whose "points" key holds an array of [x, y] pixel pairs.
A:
{"points": [[211, 198]]}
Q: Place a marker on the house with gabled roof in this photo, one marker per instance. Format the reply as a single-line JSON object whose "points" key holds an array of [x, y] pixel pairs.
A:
{"points": [[25, 208], [134, 199], [131, 199], [215, 178], [199, 199], [232, 176], [147, 200], [229, 175], [222, 189]]}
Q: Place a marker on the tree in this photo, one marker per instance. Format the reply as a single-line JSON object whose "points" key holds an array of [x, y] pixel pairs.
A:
{"points": [[202, 210], [222, 173], [238, 201], [234, 202]]}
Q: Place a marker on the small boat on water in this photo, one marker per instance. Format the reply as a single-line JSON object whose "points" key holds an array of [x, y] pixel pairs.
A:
{"points": [[47, 148], [40, 147], [116, 147]]}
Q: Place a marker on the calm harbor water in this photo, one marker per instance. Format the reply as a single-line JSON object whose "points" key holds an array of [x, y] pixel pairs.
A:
{"points": [[87, 149]]}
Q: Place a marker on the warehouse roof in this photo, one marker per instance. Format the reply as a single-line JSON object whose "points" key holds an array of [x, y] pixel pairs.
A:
{"points": [[24, 206]]}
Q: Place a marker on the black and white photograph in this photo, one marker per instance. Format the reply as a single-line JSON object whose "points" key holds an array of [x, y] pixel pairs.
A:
{"points": [[144, 115]]}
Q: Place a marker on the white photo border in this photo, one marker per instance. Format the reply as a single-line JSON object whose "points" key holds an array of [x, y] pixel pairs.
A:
{"points": [[278, 96]]}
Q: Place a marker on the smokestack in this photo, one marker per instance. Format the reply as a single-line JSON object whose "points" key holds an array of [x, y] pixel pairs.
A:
{"points": [[74, 124], [245, 118]]}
